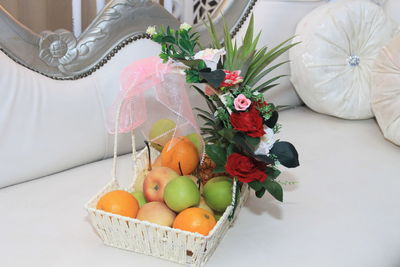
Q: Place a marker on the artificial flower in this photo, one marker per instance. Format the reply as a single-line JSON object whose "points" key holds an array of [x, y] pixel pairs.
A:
{"points": [[185, 26], [249, 122], [266, 143], [151, 30], [210, 56], [245, 169], [241, 102], [231, 78]]}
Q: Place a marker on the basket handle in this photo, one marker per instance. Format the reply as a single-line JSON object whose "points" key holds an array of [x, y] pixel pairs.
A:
{"points": [[115, 157]]}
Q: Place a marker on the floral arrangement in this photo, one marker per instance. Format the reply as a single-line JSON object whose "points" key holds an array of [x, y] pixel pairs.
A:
{"points": [[240, 126]]}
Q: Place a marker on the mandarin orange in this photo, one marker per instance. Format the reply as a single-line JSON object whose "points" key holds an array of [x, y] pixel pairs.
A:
{"points": [[180, 151], [196, 220], [119, 202]]}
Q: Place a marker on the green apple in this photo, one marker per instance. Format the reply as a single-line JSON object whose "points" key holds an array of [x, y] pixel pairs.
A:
{"points": [[218, 193], [196, 139], [181, 193], [140, 198], [161, 132]]}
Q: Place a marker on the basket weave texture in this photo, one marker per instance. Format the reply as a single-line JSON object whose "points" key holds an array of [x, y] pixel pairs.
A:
{"points": [[190, 249]]}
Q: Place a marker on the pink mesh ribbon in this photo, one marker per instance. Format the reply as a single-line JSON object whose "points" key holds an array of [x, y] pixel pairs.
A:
{"points": [[152, 90]]}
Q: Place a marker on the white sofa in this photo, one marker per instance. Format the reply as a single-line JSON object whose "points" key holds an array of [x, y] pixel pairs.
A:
{"points": [[341, 205]]}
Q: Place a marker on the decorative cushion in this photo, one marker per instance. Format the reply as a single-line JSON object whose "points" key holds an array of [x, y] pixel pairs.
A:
{"points": [[47, 125], [331, 67], [385, 91]]}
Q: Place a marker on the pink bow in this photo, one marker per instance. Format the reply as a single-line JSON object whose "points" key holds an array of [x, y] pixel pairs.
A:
{"points": [[151, 90]]}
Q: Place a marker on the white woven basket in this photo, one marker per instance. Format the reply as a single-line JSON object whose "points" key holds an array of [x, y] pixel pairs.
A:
{"points": [[179, 246]]}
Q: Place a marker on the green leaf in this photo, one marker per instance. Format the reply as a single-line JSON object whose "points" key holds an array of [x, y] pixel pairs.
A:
{"points": [[264, 73], [205, 113], [246, 143], [256, 185], [191, 63], [214, 78], [274, 188], [286, 154], [227, 133], [260, 193], [217, 154], [213, 32], [272, 173], [265, 84], [263, 90], [205, 118]]}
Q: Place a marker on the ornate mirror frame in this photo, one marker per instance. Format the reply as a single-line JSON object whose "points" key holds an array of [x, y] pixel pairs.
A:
{"points": [[59, 55]]}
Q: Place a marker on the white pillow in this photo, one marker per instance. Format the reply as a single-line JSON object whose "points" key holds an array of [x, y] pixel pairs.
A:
{"points": [[47, 126], [385, 91], [331, 67]]}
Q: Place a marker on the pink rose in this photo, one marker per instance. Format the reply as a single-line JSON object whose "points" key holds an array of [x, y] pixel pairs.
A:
{"points": [[242, 102]]}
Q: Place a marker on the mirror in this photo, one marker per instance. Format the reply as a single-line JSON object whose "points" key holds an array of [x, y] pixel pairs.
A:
{"points": [[93, 28]]}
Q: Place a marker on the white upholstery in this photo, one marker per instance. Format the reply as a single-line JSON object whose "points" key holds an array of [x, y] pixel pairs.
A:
{"points": [[48, 126], [343, 211], [277, 20], [385, 91], [331, 68]]}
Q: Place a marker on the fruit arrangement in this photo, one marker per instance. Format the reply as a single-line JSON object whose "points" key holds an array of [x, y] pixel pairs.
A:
{"points": [[202, 175], [169, 194]]}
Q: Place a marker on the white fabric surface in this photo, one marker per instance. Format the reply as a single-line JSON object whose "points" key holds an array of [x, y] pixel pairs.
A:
{"points": [[47, 126], [321, 65], [343, 211], [385, 91], [277, 20]]}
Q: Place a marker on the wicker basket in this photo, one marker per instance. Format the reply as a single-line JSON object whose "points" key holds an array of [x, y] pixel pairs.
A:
{"points": [[183, 247]]}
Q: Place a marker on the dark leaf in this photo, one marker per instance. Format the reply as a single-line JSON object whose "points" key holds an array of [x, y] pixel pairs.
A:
{"points": [[264, 158], [286, 154], [271, 122], [214, 78]]}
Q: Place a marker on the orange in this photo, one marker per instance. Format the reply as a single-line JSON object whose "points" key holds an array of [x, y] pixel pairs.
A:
{"points": [[196, 220], [119, 202], [180, 150]]}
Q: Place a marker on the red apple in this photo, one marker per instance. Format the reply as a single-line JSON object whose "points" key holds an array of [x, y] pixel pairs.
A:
{"points": [[156, 212], [155, 182]]}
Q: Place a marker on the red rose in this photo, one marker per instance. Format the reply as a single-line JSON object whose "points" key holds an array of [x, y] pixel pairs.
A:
{"points": [[246, 169], [249, 122]]}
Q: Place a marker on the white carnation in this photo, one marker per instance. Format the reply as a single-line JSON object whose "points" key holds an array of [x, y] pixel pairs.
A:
{"points": [[185, 26], [151, 30], [266, 143], [210, 56]]}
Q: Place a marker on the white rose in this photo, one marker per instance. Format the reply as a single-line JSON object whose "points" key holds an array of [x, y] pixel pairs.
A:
{"points": [[151, 30], [266, 143], [185, 26], [210, 56]]}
